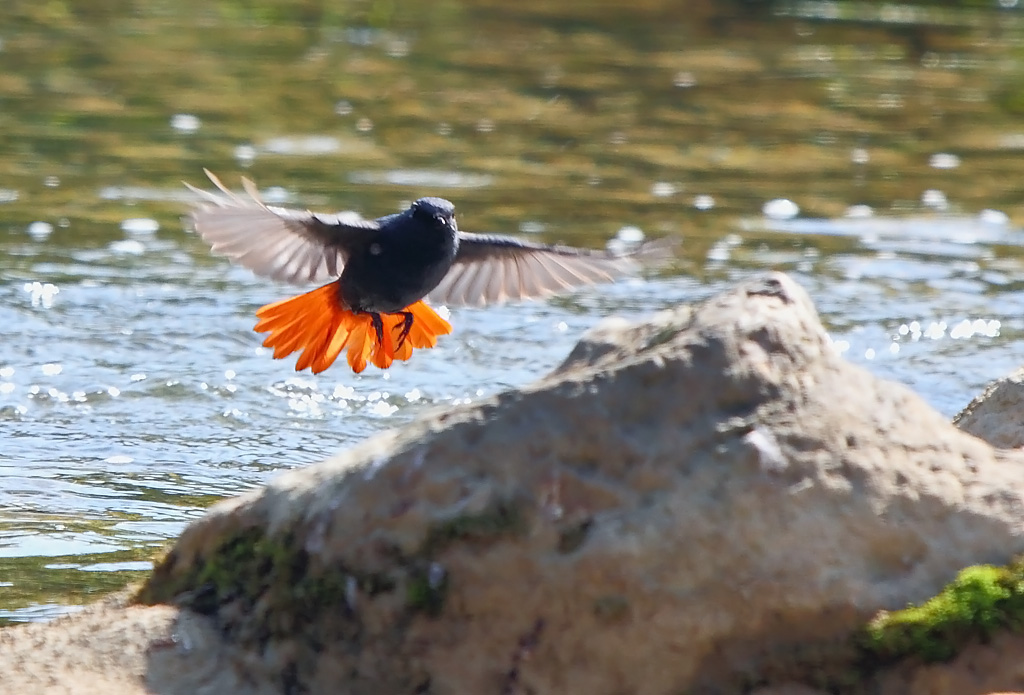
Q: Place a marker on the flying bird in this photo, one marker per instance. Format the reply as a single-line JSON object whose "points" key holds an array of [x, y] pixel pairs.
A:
{"points": [[378, 273]]}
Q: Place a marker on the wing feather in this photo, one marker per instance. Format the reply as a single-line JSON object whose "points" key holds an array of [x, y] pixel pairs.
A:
{"points": [[480, 286], [463, 282], [296, 246], [492, 268]]}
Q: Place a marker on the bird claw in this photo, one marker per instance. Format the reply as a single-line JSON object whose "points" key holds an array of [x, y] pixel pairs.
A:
{"points": [[407, 319], [378, 327]]}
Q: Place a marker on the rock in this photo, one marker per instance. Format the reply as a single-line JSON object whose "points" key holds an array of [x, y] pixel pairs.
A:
{"points": [[996, 668], [992, 416], [706, 502], [712, 500], [114, 649], [615, 339]]}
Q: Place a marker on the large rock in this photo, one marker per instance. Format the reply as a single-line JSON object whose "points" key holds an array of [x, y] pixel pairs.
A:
{"points": [[995, 415], [705, 502]]}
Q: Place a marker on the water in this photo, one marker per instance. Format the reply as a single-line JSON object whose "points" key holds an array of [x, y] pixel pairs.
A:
{"points": [[133, 392]]}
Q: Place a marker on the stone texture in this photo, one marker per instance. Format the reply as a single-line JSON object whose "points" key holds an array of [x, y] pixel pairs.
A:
{"points": [[980, 669], [996, 668], [995, 415], [114, 649], [703, 503], [680, 506]]}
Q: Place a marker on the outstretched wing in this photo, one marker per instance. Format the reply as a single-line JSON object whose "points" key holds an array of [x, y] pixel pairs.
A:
{"points": [[492, 268], [290, 245]]}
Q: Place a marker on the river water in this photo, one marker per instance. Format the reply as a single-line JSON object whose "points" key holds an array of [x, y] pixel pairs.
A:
{"points": [[875, 152]]}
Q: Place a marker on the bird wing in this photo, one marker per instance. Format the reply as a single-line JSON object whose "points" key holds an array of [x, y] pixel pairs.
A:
{"points": [[296, 246], [492, 268]]}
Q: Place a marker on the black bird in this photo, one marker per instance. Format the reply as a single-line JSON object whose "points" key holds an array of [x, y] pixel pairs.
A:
{"points": [[380, 271]]}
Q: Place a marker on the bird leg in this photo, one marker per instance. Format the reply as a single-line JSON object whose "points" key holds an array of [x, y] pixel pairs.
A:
{"points": [[378, 326], [407, 319]]}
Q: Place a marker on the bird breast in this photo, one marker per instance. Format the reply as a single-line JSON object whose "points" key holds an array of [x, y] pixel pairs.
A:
{"points": [[396, 270]]}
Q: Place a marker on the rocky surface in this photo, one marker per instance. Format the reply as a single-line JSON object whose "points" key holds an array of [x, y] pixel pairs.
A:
{"points": [[708, 502], [995, 415], [113, 648]]}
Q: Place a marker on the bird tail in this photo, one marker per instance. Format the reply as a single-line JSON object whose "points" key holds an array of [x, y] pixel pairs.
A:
{"points": [[319, 324]]}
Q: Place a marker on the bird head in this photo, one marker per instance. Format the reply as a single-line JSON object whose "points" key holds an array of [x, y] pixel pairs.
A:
{"points": [[435, 212]]}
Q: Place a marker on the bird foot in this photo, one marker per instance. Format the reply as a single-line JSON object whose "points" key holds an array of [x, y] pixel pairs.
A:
{"points": [[407, 319], [378, 327]]}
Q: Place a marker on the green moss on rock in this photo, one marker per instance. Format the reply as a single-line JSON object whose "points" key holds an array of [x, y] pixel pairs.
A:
{"points": [[981, 600], [425, 594], [270, 578], [501, 519], [277, 577]]}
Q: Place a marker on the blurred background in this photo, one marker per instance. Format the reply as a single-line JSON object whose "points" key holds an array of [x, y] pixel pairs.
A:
{"points": [[873, 150]]}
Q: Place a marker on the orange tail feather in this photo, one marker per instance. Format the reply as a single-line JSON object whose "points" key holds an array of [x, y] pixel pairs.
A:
{"points": [[319, 324], [359, 346], [427, 325], [384, 355], [335, 345]]}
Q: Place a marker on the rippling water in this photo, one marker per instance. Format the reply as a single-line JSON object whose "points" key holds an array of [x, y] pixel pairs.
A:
{"points": [[874, 158]]}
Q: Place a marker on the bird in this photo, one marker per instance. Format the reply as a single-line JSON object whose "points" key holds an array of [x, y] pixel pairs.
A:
{"points": [[379, 272]]}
